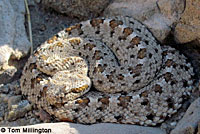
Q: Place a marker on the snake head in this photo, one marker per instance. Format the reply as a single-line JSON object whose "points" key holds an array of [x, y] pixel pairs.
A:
{"points": [[65, 86]]}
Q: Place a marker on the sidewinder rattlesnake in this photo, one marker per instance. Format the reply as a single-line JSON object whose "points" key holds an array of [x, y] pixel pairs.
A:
{"points": [[107, 70]]}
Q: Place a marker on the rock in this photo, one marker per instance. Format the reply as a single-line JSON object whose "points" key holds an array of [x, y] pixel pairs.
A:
{"points": [[4, 89], [3, 105], [159, 25], [104, 128], [188, 124], [31, 2], [18, 110], [82, 9], [4, 98], [32, 121], [19, 122], [188, 29], [2, 110], [159, 16], [37, 1], [13, 40], [11, 88], [171, 8], [13, 100], [13, 110]]}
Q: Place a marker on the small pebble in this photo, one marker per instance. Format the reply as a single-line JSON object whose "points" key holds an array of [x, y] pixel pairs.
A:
{"points": [[163, 126], [32, 121], [37, 1], [31, 2], [42, 27], [4, 97], [173, 124], [1, 118], [14, 106], [4, 89], [13, 100], [38, 121]]}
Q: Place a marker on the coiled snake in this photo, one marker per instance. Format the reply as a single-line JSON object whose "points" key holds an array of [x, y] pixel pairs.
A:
{"points": [[107, 70]]}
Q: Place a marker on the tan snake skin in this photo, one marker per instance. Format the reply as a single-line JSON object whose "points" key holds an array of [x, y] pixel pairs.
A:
{"points": [[107, 70]]}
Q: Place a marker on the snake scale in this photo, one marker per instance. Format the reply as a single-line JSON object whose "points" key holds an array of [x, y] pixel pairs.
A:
{"points": [[107, 70]]}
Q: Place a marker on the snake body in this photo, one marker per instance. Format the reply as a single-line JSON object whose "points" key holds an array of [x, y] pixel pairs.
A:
{"points": [[107, 70]]}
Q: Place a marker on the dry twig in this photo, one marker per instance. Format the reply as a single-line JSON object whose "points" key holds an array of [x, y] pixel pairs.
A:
{"points": [[29, 25]]}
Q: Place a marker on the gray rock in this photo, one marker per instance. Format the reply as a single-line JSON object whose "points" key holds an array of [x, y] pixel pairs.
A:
{"points": [[78, 8], [4, 89], [2, 110], [188, 29], [31, 2], [159, 16], [37, 1], [159, 25], [12, 88], [104, 128], [13, 100], [18, 110], [3, 105], [19, 122], [13, 110], [4, 98], [13, 40], [188, 124], [32, 121], [8, 72]]}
